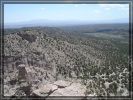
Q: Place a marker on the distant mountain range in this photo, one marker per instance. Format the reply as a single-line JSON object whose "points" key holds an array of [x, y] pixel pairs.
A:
{"points": [[53, 23]]}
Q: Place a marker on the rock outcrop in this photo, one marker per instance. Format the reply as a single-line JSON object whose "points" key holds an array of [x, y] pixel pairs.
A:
{"points": [[61, 88], [20, 84]]}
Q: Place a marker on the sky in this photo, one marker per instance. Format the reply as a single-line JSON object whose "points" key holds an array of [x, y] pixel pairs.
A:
{"points": [[14, 13]]}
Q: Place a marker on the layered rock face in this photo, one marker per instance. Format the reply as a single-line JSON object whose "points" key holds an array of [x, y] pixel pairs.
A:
{"points": [[49, 63]]}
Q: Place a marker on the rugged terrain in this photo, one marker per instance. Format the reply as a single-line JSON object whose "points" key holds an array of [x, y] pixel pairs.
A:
{"points": [[95, 61]]}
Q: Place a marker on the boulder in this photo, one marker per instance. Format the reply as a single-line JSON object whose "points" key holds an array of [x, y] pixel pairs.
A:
{"points": [[75, 89], [45, 90], [62, 83]]}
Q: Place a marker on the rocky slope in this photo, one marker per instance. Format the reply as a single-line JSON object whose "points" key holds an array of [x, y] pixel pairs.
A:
{"points": [[42, 57]]}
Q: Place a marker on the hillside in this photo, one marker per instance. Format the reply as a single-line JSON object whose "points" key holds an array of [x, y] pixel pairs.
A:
{"points": [[50, 54]]}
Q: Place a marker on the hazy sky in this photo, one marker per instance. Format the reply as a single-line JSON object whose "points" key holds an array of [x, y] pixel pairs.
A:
{"points": [[88, 12]]}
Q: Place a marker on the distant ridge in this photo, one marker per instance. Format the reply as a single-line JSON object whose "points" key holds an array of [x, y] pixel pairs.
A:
{"points": [[53, 23]]}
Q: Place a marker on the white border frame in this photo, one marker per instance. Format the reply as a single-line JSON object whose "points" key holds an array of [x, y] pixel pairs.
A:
{"points": [[71, 2]]}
